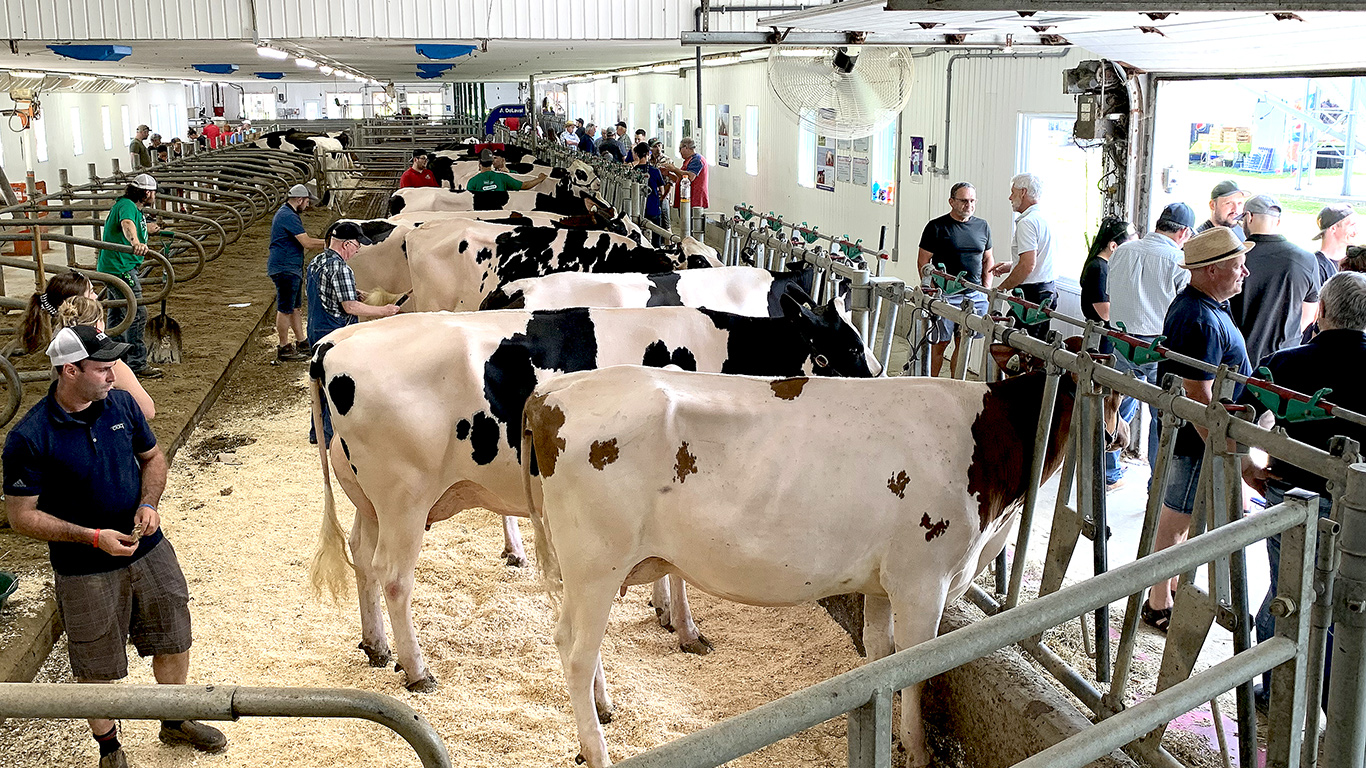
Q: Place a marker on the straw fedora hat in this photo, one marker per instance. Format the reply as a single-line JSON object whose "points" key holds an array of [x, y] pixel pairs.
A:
{"points": [[1213, 246]]}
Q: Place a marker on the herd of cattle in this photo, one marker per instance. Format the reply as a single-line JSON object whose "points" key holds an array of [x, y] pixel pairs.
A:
{"points": [[658, 417]]}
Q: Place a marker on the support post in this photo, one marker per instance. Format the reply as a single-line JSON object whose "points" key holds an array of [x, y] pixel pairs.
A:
{"points": [[1050, 397], [1345, 742], [1295, 595], [870, 732]]}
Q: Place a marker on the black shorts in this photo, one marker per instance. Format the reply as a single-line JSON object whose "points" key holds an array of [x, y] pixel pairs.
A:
{"points": [[289, 292], [147, 603]]}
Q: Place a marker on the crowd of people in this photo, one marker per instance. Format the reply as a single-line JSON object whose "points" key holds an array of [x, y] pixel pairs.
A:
{"points": [[146, 146]]}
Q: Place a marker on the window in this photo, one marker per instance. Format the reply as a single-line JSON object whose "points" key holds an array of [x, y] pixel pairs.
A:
{"points": [[631, 118], [127, 119], [259, 106], [676, 131], [806, 151], [345, 106], [425, 103], [706, 137], [107, 127], [311, 110], [751, 145], [1046, 149], [175, 121], [77, 147], [383, 105], [882, 165], [157, 120], [652, 127], [40, 139]]}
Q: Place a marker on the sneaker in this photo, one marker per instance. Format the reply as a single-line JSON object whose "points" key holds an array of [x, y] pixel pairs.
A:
{"points": [[149, 373], [115, 759], [1115, 486], [301, 346], [288, 354], [202, 737]]}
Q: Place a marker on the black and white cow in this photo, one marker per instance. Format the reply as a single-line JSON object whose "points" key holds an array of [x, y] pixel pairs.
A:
{"points": [[427, 410], [743, 290], [578, 182]]}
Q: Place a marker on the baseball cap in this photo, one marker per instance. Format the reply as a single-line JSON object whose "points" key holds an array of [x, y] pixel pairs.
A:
{"points": [[420, 153], [1331, 215], [145, 181], [84, 342], [486, 157], [301, 190], [1263, 204], [1179, 214], [349, 230], [1226, 188]]}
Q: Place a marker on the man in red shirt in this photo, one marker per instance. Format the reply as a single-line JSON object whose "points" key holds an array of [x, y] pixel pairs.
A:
{"points": [[211, 132], [418, 175]]}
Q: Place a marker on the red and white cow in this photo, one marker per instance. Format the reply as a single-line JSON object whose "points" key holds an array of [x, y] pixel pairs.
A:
{"points": [[646, 472], [427, 412]]}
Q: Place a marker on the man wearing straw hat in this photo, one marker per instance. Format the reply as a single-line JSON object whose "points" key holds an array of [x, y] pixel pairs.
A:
{"points": [[1198, 325]]}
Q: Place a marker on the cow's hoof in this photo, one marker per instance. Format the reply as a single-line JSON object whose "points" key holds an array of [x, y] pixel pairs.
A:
{"points": [[701, 646], [605, 715], [379, 657], [579, 759], [425, 685], [513, 559]]}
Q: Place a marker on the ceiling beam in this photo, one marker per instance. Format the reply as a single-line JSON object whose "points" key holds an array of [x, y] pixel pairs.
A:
{"points": [[1136, 6], [812, 39]]}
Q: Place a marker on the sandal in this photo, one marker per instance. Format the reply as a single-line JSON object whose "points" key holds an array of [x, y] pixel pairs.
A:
{"points": [[1158, 620]]}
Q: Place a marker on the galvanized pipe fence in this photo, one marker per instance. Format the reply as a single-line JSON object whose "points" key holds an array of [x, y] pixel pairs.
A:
{"points": [[221, 702], [876, 304]]}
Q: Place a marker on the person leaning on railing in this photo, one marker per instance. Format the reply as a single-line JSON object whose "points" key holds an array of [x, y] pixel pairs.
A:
{"points": [[40, 317], [1335, 358]]}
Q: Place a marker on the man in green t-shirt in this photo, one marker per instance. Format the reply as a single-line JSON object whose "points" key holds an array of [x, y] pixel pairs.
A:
{"points": [[489, 180], [125, 225], [138, 154]]}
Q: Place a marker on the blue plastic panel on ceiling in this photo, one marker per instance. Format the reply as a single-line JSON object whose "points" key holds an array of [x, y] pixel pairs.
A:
{"points": [[434, 51], [271, 75], [434, 68], [216, 69], [92, 52], [427, 75]]}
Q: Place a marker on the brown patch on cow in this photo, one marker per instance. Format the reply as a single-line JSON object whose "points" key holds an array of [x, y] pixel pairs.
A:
{"points": [[1003, 441], [788, 389], [685, 463], [601, 454], [897, 483], [933, 530], [545, 424]]}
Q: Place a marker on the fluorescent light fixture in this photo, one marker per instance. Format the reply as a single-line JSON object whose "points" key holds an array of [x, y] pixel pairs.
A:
{"points": [[156, 80], [326, 70], [303, 62], [373, 81], [673, 67], [601, 76], [26, 73], [125, 80], [188, 82], [83, 77], [271, 53], [632, 71], [796, 52], [719, 60]]}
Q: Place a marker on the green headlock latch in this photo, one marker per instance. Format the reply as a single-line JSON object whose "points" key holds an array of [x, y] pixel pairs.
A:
{"points": [[1289, 410], [1136, 354], [1028, 315], [949, 286], [808, 234], [774, 221], [746, 212], [850, 250]]}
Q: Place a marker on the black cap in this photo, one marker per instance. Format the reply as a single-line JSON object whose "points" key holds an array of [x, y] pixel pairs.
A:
{"points": [[349, 230], [419, 153], [486, 157]]}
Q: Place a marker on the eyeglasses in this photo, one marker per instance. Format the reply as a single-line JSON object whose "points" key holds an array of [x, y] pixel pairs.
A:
{"points": [[968, 200]]}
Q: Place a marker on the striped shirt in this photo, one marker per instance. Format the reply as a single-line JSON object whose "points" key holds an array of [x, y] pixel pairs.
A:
{"points": [[1145, 276]]}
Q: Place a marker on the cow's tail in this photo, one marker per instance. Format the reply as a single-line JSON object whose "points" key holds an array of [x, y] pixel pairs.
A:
{"points": [[545, 550], [330, 569]]}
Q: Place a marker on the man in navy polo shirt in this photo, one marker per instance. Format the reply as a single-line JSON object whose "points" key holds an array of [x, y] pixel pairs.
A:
{"points": [[83, 472], [1198, 325]]}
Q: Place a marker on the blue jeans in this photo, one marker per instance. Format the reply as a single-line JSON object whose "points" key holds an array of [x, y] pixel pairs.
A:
{"points": [[1148, 373], [1266, 623], [1113, 469], [137, 356]]}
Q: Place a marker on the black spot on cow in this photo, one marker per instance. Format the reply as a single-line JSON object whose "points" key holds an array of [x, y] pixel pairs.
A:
{"points": [[462, 429], [561, 340], [374, 230], [483, 256], [897, 484], [490, 201], [656, 355], [664, 290], [346, 449], [315, 368], [499, 299], [484, 439], [683, 358], [933, 530], [464, 245], [798, 277], [520, 168], [685, 463], [396, 205], [342, 391]]}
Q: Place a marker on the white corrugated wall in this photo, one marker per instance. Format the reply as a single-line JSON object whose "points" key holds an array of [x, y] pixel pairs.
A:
{"points": [[124, 19]]}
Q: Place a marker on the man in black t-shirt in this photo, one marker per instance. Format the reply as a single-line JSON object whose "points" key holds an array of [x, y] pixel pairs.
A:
{"points": [[957, 242]]}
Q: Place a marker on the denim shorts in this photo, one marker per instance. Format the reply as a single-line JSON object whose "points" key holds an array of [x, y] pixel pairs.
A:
{"points": [[289, 292], [942, 330], [1183, 482]]}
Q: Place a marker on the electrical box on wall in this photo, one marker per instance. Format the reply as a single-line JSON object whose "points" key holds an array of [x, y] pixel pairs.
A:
{"points": [[1091, 124]]}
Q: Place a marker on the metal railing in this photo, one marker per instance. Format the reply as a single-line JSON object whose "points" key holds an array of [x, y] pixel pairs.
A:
{"points": [[221, 702]]}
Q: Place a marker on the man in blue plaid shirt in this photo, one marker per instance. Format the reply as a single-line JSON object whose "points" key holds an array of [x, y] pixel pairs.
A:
{"points": [[333, 300]]}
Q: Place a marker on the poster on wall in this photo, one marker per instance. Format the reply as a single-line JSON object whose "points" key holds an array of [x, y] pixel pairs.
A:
{"points": [[860, 171], [861, 145], [723, 136], [735, 135], [825, 154], [917, 159], [735, 151], [687, 129], [843, 161]]}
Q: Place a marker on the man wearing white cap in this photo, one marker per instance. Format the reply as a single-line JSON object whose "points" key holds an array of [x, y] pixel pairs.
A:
{"points": [[285, 266], [1281, 296], [83, 472], [1197, 325], [125, 225]]}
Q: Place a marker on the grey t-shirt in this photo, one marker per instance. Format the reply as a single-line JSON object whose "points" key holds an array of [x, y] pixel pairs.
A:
{"points": [[1281, 277]]}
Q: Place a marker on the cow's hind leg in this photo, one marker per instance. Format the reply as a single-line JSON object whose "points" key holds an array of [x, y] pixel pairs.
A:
{"points": [[513, 552], [582, 625], [660, 599], [877, 626], [399, 543], [690, 639], [364, 534], [601, 701], [916, 619]]}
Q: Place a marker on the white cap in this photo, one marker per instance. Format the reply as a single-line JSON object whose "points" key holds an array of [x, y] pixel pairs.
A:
{"points": [[145, 181], [301, 190], [72, 345]]}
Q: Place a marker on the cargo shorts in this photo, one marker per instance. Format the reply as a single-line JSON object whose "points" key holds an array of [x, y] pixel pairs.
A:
{"points": [[146, 603]]}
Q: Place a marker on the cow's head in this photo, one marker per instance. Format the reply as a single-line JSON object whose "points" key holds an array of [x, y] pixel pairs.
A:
{"points": [[1013, 362], [837, 349], [583, 180], [698, 255]]}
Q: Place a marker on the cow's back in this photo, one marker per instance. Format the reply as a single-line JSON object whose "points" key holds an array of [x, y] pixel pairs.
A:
{"points": [[842, 476], [741, 290]]}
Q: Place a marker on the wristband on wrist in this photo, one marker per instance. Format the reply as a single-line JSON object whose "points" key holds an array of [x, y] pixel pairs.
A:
{"points": [[149, 506], [95, 542]]}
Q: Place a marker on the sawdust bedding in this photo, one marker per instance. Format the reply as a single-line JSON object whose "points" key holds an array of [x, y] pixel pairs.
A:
{"points": [[244, 533]]}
